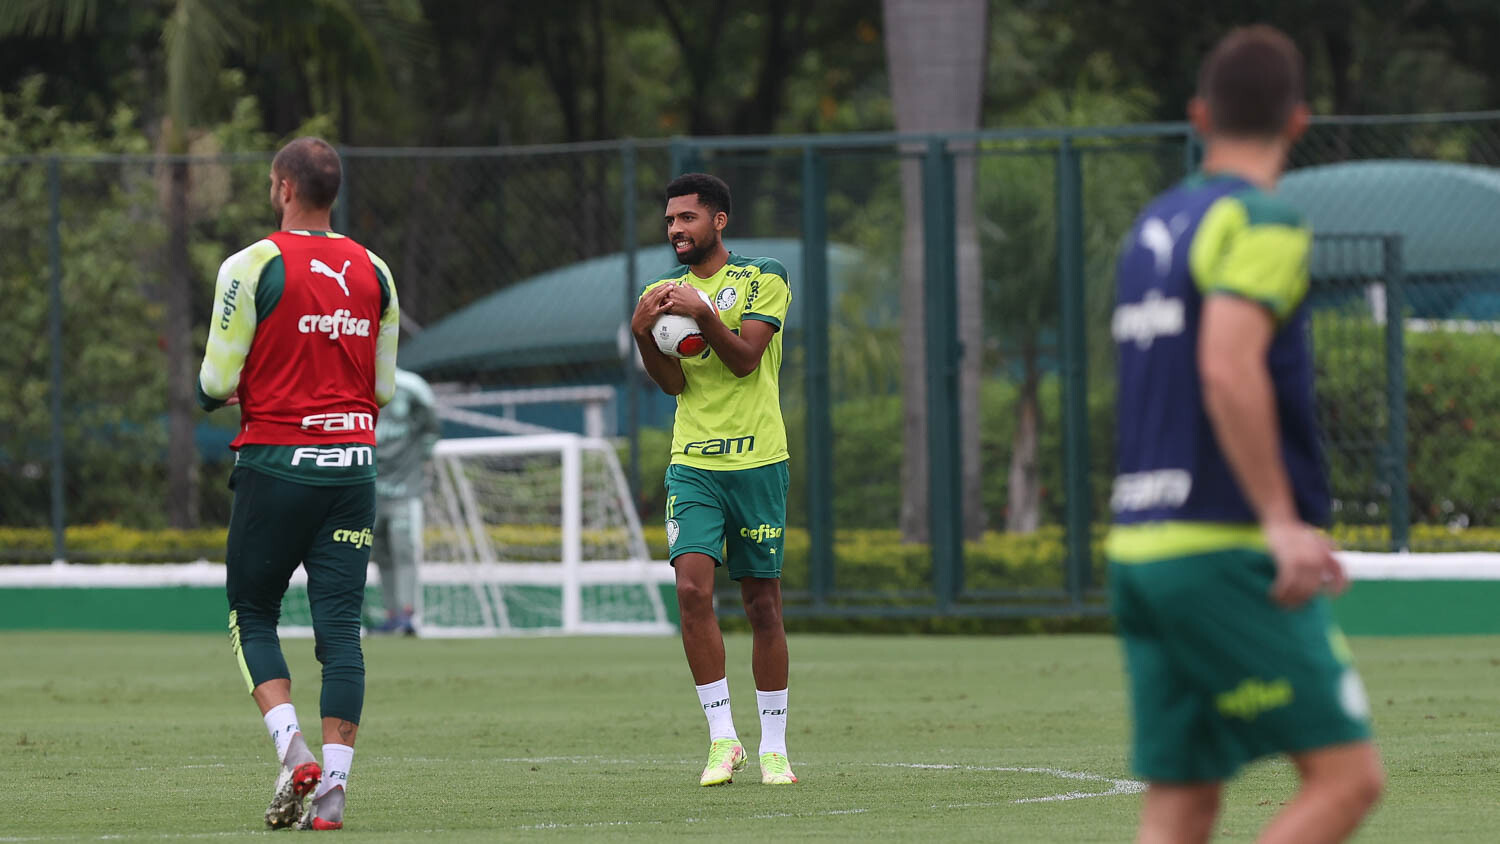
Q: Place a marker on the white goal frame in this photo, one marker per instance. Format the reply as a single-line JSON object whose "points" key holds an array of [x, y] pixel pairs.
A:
{"points": [[479, 568]]}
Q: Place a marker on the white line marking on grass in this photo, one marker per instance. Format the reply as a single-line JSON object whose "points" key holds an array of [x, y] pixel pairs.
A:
{"points": [[770, 815], [1116, 786], [179, 767], [592, 760], [765, 816], [591, 824]]}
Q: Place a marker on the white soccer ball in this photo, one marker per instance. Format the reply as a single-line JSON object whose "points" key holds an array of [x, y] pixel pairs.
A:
{"points": [[678, 336]]}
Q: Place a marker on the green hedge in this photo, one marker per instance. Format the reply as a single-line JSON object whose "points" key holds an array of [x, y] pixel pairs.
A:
{"points": [[870, 559]]}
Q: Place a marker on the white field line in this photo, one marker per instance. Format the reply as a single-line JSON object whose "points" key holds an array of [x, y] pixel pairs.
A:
{"points": [[760, 817], [1116, 786]]}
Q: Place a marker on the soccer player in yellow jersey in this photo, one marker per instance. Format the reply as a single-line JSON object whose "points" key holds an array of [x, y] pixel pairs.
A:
{"points": [[727, 482]]}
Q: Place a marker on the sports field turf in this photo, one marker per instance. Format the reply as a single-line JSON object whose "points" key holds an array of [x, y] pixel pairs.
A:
{"points": [[933, 739]]}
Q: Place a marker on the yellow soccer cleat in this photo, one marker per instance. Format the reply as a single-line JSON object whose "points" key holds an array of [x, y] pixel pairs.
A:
{"points": [[776, 769], [726, 756]]}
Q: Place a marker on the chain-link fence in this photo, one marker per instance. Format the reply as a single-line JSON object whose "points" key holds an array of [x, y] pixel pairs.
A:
{"points": [[948, 383]]}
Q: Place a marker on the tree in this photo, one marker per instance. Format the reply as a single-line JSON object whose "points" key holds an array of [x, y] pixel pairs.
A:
{"points": [[197, 38], [1363, 56], [779, 35], [938, 46], [1019, 233], [114, 358]]}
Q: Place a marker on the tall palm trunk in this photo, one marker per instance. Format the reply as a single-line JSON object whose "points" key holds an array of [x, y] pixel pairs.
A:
{"points": [[182, 448], [936, 51], [1023, 513]]}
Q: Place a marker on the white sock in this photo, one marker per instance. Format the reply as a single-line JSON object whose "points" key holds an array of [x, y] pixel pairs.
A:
{"points": [[337, 759], [772, 721], [281, 721], [715, 700]]}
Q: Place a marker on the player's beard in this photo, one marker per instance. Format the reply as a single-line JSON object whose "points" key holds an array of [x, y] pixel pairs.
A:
{"points": [[695, 256], [278, 211]]}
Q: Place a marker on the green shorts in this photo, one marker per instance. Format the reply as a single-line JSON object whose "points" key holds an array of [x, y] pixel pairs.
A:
{"points": [[275, 526], [1220, 675], [737, 517]]}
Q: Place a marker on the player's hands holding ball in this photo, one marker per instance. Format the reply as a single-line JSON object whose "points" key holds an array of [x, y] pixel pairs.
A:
{"points": [[688, 301], [668, 316], [652, 305]]}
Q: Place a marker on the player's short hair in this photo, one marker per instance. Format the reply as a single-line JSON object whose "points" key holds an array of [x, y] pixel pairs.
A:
{"points": [[314, 169], [1252, 81], [712, 192]]}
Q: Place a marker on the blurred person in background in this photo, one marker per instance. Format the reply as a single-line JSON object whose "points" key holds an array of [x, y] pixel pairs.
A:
{"points": [[405, 434]]}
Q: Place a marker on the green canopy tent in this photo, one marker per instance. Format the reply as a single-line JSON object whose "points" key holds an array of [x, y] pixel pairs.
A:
{"points": [[1442, 218], [572, 317]]}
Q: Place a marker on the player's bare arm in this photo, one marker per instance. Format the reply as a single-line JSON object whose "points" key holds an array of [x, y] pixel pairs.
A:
{"points": [[740, 352], [665, 371], [1241, 405]]}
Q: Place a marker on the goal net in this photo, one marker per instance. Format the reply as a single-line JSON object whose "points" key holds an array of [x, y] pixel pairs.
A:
{"points": [[530, 534]]}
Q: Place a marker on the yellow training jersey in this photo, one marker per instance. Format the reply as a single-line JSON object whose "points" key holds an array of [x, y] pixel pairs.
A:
{"points": [[723, 422]]}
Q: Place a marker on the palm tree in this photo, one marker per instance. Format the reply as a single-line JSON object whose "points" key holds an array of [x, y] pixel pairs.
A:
{"points": [[936, 51]]}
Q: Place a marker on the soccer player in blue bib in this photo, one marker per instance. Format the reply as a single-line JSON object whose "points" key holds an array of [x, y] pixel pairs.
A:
{"points": [[1217, 572]]}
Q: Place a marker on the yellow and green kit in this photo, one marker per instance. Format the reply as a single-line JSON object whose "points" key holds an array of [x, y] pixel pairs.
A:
{"points": [[727, 482]]}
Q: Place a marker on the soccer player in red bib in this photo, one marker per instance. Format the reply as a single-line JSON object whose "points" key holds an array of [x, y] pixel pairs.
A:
{"points": [[303, 338]]}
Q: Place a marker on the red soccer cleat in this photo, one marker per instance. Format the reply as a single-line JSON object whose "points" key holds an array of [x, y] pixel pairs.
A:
{"points": [[292, 785]]}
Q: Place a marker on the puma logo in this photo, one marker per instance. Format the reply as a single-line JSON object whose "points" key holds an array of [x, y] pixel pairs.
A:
{"points": [[323, 269], [1161, 240], [1156, 237]]}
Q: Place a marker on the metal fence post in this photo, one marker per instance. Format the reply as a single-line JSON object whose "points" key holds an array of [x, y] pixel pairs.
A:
{"points": [[1192, 151], [632, 372], [686, 157], [341, 204], [940, 285], [1074, 373], [1395, 394], [815, 308], [55, 320]]}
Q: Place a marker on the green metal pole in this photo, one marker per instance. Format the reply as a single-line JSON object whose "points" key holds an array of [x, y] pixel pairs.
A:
{"points": [[55, 320], [1192, 152], [1395, 394], [686, 157], [940, 325], [632, 372], [341, 204], [1074, 372], [815, 309]]}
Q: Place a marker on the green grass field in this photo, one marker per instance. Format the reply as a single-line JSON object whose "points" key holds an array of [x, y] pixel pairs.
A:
{"points": [[134, 736]]}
